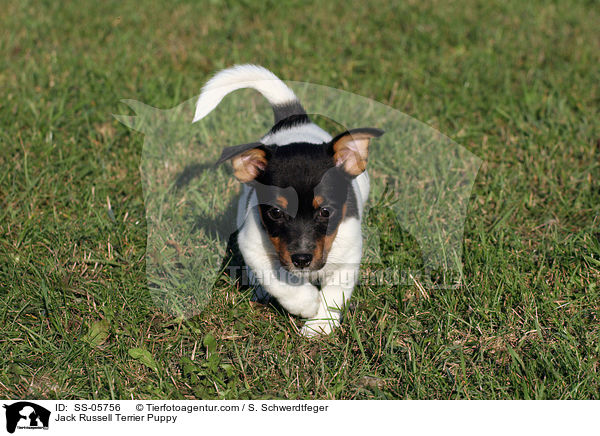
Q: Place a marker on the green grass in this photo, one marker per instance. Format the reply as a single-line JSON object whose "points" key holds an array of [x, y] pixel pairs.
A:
{"points": [[516, 83]]}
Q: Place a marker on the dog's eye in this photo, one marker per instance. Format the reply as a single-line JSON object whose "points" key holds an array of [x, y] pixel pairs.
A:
{"points": [[275, 214], [324, 212]]}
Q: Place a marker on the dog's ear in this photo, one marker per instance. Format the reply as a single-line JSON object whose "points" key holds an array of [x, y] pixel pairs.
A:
{"points": [[350, 149], [248, 160]]}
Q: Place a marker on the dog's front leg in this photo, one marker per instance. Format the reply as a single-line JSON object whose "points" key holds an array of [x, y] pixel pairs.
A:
{"points": [[339, 278], [295, 294], [333, 297]]}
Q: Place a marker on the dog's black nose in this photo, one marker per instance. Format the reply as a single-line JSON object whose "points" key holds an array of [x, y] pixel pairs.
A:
{"points": [[301, 260]]}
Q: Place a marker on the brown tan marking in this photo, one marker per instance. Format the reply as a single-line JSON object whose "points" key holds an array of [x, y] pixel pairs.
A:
{"points": [[280, 247], [324, 243], [351, 152], [249, 164], [282, 201], [318, 201], [282, 250]]}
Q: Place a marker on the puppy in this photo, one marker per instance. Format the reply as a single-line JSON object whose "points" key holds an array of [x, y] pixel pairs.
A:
{"points": [[299, 215]]}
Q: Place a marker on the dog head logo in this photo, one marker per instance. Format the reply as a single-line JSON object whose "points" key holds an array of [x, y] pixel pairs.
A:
{"points": [[24, 414]]}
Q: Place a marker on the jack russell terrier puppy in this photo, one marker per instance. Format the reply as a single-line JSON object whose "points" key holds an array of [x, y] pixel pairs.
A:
{"points": [[299, 215]]}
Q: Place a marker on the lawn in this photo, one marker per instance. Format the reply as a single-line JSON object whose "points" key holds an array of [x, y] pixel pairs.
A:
{"points": [[514, 83]]}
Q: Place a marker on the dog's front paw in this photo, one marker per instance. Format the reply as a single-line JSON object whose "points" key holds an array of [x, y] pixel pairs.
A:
{"points": [[309, 307], [304, 304], [316, 327]]}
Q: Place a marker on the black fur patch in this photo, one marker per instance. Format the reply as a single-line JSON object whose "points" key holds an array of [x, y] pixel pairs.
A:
{"points": [[291, 121], [287, 110]]}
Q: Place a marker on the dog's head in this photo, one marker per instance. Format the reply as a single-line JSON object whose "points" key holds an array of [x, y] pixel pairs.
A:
{"points": [[304, 191]]}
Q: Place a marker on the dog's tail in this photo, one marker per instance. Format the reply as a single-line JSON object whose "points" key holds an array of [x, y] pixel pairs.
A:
{"points": [[282, 99]]}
